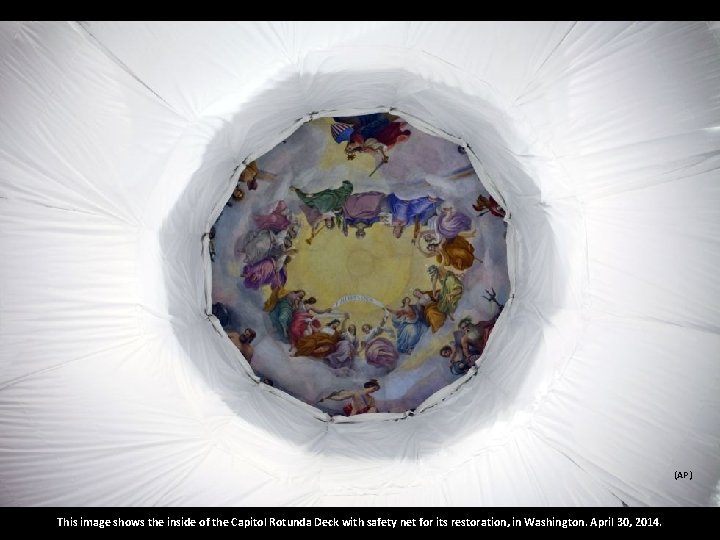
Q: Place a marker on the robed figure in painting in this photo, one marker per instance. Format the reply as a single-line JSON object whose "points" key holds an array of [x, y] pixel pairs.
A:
{"points": [[327, 200], [280, 307], [345, 350], [457, 253], [322, 342], [415, 212], [361, 210], [409, 325], [276, 221], [447, 288], [379, 351], [428, 302], [321, 208], [375, 133]]}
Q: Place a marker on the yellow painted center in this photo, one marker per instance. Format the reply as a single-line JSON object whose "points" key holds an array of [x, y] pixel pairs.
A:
{"points": [[379, 265]]}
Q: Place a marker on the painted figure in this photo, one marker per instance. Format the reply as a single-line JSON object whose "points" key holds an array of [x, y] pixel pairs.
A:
{"points": [[450, 291], [361, 210], [304, 321], [485, 205], [361, 401], [459, 364], [470, 339], [469, 343], [323, 342], [475, 335], [243, 342], [379, 351], [409, 326], [251, 174], [374, 133], [431, 312], [268, 271], [280, 307], [276, 221], [237, 195], [321, 208], [443, 228], [411, 211], [345, 350], [261, 244], [451, 223], [318, 220], [457, 252], [327, 200]]}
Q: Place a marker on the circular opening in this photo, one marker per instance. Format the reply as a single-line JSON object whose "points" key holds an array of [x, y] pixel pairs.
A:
{"points": [[360, 265]]}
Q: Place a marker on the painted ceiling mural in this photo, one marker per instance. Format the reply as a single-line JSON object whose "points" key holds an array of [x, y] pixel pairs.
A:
{"points": [[360, 265]]}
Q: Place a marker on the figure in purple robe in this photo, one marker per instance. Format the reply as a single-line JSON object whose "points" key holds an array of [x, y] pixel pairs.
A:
{"points": [[379, 351], [268, 271], [361, 210], [345, 351], [451, 223], [275, 221]]}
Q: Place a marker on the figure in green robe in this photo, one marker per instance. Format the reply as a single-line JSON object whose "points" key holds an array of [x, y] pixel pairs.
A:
{"points": [[327, 200], [451, 289]]}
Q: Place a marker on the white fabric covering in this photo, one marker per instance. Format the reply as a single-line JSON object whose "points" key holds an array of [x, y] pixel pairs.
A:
{"points": [[118, 141]]}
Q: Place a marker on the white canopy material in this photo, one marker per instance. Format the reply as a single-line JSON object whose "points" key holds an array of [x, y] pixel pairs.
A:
{"points": [[119, 140]]}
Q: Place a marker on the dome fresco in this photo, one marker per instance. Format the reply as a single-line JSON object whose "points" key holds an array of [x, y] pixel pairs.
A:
{"points": [[360, 265]]}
